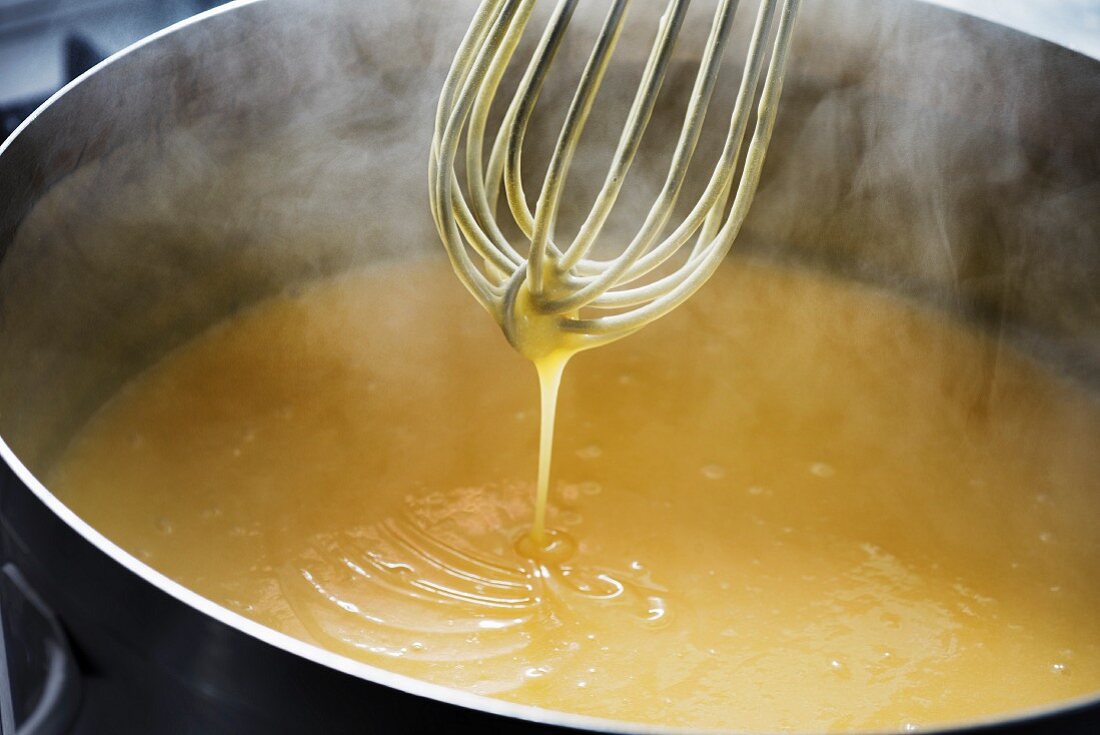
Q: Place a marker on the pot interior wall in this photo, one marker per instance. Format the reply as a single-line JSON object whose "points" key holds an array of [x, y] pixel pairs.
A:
{"points": [[930, 153]]}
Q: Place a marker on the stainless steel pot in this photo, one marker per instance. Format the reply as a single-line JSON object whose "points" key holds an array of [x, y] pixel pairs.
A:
{"points": [[273, 142]]}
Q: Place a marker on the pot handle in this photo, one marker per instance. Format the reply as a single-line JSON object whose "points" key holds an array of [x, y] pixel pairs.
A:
{"points": [[57, 703]]}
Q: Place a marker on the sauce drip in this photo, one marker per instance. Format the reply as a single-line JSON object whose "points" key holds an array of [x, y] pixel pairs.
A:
{"points": [[539, 338], [795, 503], [550, 370]]}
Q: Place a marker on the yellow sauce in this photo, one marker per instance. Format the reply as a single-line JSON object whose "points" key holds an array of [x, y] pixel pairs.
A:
{"points": [[792, 504]]}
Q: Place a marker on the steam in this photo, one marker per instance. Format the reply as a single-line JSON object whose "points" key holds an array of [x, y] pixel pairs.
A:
{"points": [[288, 140], [943, 156]]}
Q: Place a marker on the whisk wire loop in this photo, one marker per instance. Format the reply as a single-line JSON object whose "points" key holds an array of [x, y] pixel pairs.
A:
{"points": [[561, 279]]}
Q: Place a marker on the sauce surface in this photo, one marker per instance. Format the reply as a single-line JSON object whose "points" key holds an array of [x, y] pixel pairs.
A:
{"points": [[792, 504]]}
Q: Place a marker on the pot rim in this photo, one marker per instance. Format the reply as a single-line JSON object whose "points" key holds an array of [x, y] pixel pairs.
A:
{"points": [[345, 664]]}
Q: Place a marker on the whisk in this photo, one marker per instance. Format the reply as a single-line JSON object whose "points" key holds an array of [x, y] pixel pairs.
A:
{"points": [[536, 289]]}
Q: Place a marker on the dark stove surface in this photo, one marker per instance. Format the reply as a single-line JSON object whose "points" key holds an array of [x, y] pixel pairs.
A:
{"points": [[46, 43]]}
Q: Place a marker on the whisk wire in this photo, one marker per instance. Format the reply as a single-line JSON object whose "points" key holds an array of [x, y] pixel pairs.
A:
{"points": [[712, 254], [557, 171], [527, 95], [613, 272], [641, 111]]}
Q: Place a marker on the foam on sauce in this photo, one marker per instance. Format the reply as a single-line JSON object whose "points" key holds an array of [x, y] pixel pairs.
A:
{"points": [[792, 504]]}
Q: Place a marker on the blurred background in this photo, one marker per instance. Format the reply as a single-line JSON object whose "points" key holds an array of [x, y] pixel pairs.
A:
{"points": [[46, 43]]}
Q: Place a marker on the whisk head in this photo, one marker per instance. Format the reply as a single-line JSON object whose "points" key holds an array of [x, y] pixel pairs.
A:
{"points": [[544, 292]]}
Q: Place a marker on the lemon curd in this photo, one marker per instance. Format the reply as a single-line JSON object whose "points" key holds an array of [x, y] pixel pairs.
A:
{"points": [[795, 503]]}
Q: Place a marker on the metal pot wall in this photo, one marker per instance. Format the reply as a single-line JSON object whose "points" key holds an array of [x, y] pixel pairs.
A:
{"points": [[273, 142]]}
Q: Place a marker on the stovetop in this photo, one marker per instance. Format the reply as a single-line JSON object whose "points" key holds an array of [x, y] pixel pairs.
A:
{"points": [[46, 43]]}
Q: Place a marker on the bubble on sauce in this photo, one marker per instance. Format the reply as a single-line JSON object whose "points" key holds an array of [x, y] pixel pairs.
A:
{"points": [[657, 611], [536, 672], [822, 470], [350, 607], [165, 526], [569, 518], [910, 727], [757, 490], [1059, 668], [713, 471], [591, 451], [1047, 537], [555, 547], [568, 494], [588, 487]]}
